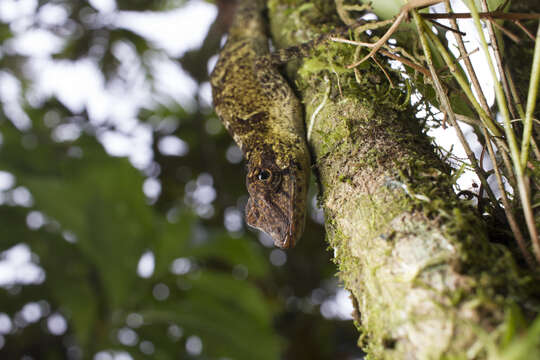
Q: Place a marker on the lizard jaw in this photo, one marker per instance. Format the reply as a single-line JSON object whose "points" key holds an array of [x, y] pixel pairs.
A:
{"points": [[272, 221]]}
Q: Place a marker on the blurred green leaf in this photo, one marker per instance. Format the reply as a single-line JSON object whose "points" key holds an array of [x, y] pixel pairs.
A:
{"points": [[526, 346], [171, 242], [235, 251], [102, 203], [228, 314]]}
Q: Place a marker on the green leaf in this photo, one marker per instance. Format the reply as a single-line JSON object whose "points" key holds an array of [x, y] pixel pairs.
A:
{"points": [[172, 242], [234, 251], [526, 346], [99, 198], [231, 317]]}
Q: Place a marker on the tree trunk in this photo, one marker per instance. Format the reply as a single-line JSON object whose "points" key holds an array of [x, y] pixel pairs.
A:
{"points": [[426, 281]]}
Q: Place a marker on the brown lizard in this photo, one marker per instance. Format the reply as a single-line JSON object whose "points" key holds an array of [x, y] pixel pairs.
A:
{"points": [[261, 112]]}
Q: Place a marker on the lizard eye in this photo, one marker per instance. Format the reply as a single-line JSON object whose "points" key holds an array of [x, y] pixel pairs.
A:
{"points": [[264, 175], [266, 178]]}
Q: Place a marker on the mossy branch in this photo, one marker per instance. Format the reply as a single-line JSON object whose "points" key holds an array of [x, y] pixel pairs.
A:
{"points": [[427, 281]]}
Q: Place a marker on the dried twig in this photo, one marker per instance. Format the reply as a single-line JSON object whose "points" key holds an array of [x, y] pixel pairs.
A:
{"points": [[493, 14]]}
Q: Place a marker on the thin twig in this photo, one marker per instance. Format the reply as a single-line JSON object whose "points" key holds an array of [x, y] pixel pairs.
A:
{"points": [[384, 71], [464, 84], [507, 207], [406, 62], [506, 32], [352, 42], [515, 95], [468, 64], [402, 15], [445, 104], [446, 27], [510, 138], [531, 102], [535, 148], [401, 59], [520, 25], [493, 14], [462, 57], [504, 151], [497, 54], [506, 204]]}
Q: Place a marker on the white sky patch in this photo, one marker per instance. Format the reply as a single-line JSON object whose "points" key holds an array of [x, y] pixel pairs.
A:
{"points": [[15, 9], [10, 96], [72, 82], [447, 139], [105, 6], [35, 220], [472, 42], [16, 267], [173, 146], [7, 180], [212, 63], [141, 155], [134, 320], [116, 143], [146, 265], [180, 266], [52, 14], [147, 347], [233, 154], [174, 82], [175, 31], [122, 356], [338, 306], [136, 145], [103, 355], [205, 93], [194, 345], [233, 220], [66, 132], [118, 101], [21, 196], [6, 324], [31, 312], [152, 188], [36, 42], [56, 324], [127, 336]]}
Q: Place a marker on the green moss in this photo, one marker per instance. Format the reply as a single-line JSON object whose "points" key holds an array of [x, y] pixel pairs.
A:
{"points": [[392, 219]]}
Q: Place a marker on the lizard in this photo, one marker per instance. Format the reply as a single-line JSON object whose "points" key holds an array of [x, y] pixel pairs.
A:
{"points": [[261, 112]]}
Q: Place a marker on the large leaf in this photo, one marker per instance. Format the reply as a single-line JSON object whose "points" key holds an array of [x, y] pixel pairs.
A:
{"points": [[229, 315], [98, 198]]}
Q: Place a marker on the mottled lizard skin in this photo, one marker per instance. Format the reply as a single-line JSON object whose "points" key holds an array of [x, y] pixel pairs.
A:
{"points": [[261, 112]]}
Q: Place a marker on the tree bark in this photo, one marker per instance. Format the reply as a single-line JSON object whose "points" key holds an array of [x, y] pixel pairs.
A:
{"points": [[426, 281]]}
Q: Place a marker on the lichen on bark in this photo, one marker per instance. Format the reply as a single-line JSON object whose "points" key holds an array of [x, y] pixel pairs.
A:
{"points": [[427, 281]]}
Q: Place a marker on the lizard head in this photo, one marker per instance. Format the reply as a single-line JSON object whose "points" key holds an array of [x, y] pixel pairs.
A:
{"points": [[277, 202]]}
